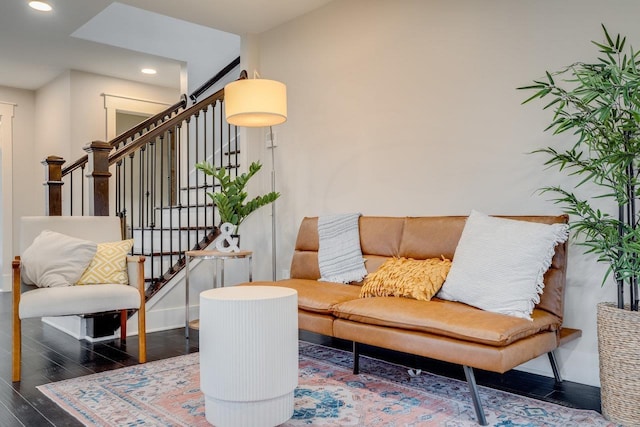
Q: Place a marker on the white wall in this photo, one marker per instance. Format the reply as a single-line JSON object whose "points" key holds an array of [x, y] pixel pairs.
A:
{"points": [[16, 139], [70, 110], [410, 108], [88, 107], [52, 123]]}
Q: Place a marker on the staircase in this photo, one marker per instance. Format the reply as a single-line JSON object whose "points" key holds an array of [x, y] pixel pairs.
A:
{"points": [[181, 216], [147, 177]]}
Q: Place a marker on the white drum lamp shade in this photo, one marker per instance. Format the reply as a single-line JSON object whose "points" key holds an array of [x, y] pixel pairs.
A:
{"points": [[255, 102]]}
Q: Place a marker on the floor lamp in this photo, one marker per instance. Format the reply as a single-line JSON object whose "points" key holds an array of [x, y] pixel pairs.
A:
{"points": [[258, 103]]}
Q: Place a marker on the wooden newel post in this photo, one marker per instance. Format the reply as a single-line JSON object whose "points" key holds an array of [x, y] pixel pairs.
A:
{"points": [[98, 176], [53, 181]]}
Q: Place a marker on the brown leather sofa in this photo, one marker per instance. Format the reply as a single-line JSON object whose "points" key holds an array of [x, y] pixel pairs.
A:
{"points": [[438, 329]]}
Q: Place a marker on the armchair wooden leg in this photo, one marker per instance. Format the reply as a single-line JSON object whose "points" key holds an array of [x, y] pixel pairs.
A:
{"points": [[123, 325], [142, 336], [17, 348]]}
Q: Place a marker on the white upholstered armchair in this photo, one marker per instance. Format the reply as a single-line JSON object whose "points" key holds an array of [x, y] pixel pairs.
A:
{"points": [[54, 252]]}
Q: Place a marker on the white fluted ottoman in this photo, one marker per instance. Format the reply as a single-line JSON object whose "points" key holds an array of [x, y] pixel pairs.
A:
{"points": [[248, 355]]}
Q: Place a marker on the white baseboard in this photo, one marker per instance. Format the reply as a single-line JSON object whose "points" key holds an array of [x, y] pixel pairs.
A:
{"points": [[71, 325], [162, 319]]}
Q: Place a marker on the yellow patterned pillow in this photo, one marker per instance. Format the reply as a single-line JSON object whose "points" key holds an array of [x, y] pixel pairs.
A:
{"points": [[406, 277], [109, 265]]}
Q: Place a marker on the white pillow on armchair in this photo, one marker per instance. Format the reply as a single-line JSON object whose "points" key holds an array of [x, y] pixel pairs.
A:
{"points": [[55, 259]]}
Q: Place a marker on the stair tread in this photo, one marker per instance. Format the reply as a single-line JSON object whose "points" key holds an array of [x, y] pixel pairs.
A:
{"points": [[183, 228], [199, 186], [207, 205], [158, 254]]}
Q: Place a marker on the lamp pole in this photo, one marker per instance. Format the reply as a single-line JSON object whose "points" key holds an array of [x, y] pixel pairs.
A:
{"points": [[273, 207]]}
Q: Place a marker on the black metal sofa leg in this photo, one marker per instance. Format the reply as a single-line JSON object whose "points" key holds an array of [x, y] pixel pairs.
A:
{"points": [[473, 388], [356, 358], [554, 366]]}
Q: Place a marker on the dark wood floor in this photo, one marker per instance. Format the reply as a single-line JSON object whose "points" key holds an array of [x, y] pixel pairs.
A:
{"points": [[50, 355]]}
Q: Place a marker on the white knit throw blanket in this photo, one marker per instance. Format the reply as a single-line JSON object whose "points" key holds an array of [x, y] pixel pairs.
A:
{"points": [[340, 255]]}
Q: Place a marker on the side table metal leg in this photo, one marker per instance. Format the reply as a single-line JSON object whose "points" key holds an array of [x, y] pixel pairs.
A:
{"points": [[222, 273], [216, 268]]}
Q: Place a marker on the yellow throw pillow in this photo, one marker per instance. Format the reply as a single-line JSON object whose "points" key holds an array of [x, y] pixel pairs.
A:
{"points": [[406, 277], [109, 265]]}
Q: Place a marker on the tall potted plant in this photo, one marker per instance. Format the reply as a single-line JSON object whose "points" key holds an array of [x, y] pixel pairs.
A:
{"points": [[231, 200], [600, 104]]}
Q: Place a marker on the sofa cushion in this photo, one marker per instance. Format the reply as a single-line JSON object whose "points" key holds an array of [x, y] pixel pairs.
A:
{"points": [[431, 237], [406, 277], [69, 300], [445, 318], [499, 263], [318, 297]]}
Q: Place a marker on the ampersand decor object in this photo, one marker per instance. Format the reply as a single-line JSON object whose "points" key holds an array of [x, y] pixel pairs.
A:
{"points": [[226, 242]]}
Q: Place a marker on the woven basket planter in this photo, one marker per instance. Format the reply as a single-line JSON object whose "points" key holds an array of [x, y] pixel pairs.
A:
{"points": [[619, 351]]}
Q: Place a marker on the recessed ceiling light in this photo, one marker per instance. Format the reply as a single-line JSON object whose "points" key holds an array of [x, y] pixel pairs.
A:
{"points": [[41, 6], [148, 71]]}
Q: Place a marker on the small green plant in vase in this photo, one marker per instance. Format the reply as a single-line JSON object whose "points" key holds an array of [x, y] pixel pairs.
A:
{"points": [[231, 199]]}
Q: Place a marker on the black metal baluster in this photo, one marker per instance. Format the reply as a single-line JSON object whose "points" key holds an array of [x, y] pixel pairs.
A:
{"points": [[124, 193], [82, 179], [153, 231], [208, 204], [129, 225], [162, 205], [236, 149], [140, 192], [202, 202], [197, 156], [71, 191], [221, 164], [118, 188], [229, 148], [188, 149], [221, 159], [180, 187], [171, 188], [144, 196]]}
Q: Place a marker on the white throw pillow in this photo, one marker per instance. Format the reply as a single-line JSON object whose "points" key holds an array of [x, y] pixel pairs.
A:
{"points": [[499, 263], [55, 259]]}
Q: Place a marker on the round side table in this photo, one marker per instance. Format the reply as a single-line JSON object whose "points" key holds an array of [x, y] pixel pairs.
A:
{"points": [[248, 355]]}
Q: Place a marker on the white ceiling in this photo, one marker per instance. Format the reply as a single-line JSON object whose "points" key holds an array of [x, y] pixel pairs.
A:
{"points": [[119, 38]]}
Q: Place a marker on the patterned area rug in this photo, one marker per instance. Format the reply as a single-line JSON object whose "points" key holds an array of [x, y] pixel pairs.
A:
{"points": [[166, 393]]}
